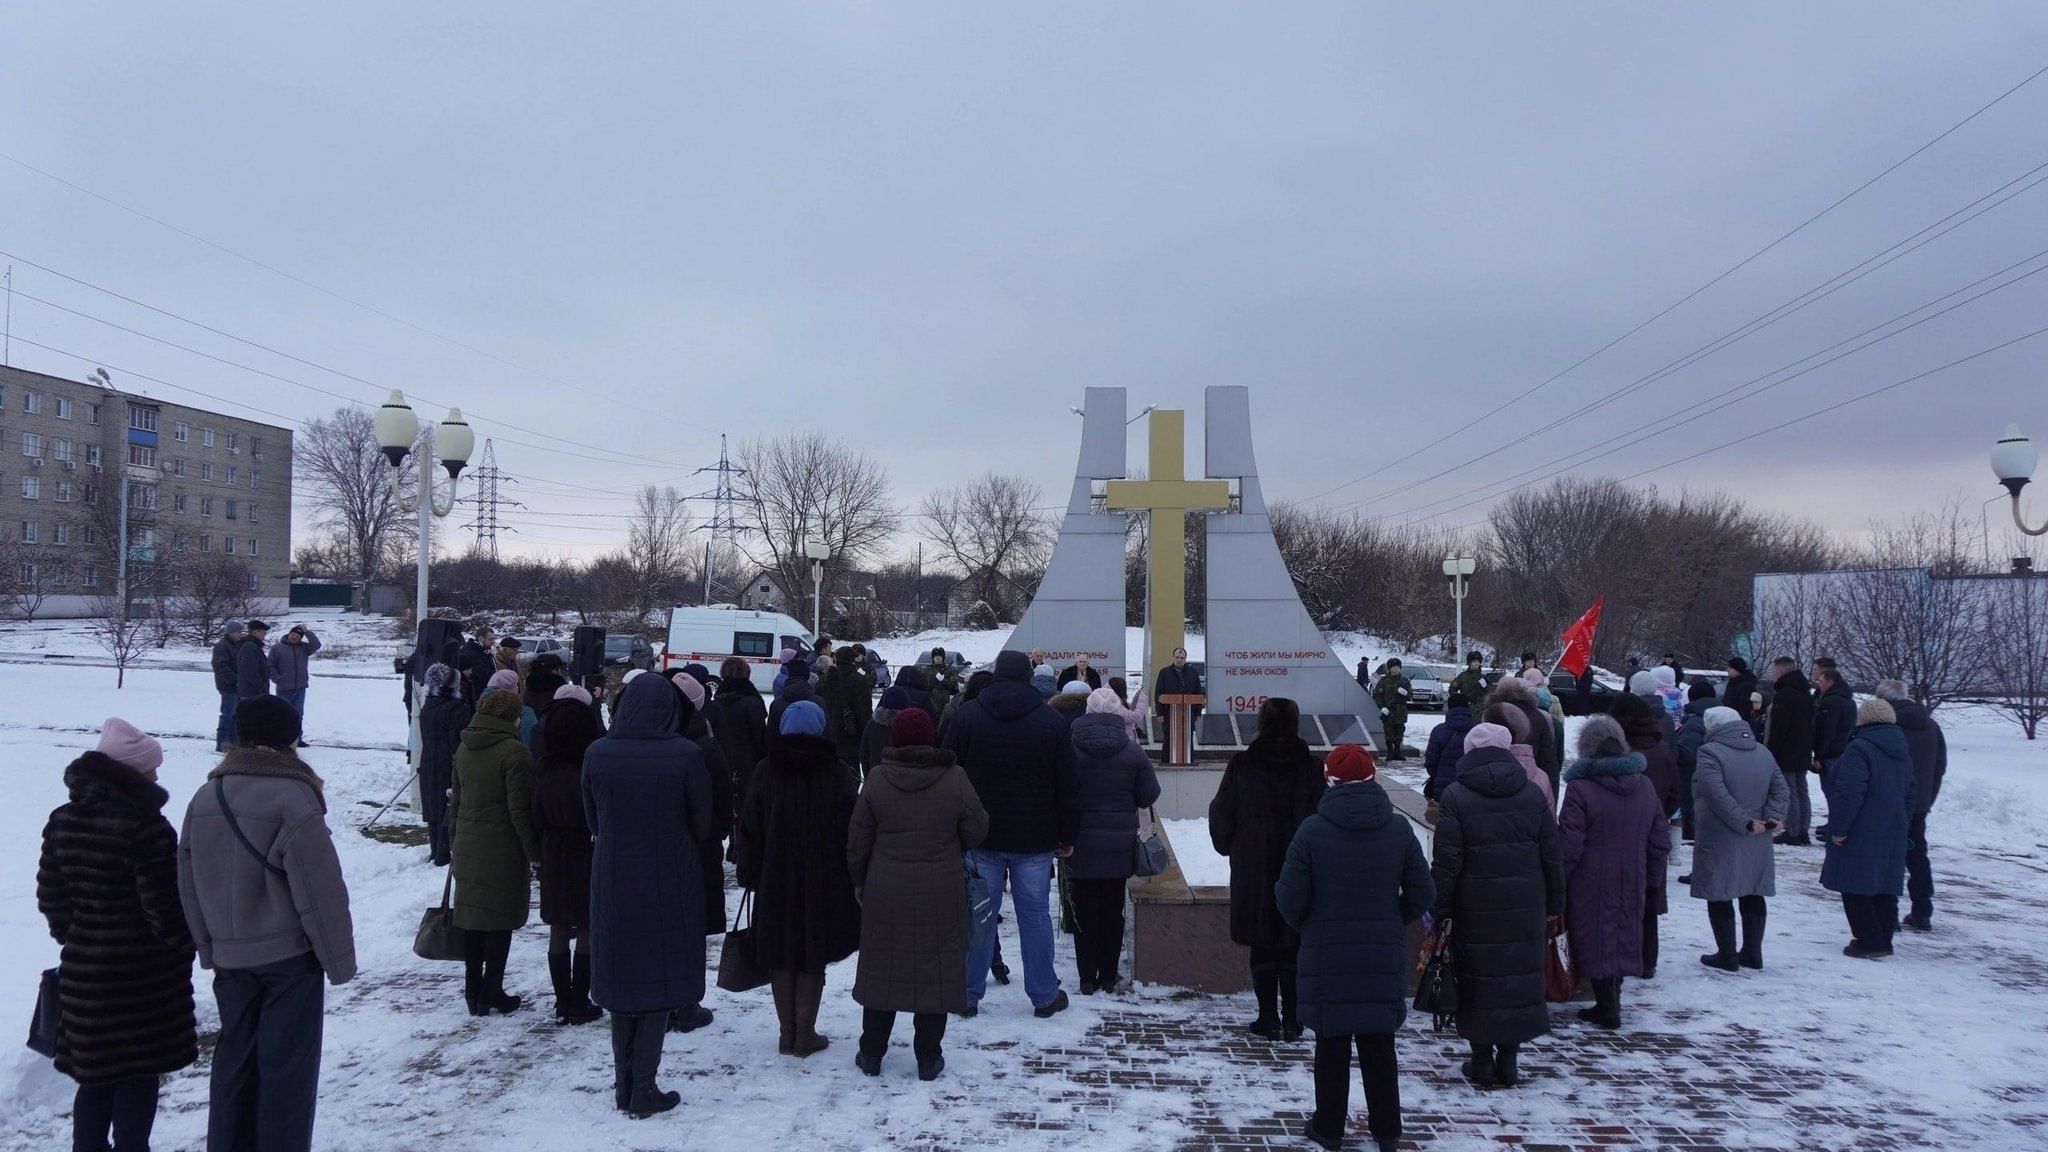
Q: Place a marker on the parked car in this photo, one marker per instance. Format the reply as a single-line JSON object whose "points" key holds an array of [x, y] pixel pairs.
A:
{"points": [[530, 647], [1565, 687], [630, 651], [1429, 686]]}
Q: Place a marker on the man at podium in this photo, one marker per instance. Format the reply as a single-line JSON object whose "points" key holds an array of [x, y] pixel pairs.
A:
{"points": [[1177, 679]]}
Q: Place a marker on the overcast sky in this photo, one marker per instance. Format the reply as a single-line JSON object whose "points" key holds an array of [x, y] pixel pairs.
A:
{"points": [[925, 228]]}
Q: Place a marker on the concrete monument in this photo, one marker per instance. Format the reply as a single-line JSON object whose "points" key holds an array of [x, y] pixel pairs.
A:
{"points": [[1079, 607]]}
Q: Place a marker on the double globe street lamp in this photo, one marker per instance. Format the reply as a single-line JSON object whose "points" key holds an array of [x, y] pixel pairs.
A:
{"points": [[2013, 458], [398, 429]]}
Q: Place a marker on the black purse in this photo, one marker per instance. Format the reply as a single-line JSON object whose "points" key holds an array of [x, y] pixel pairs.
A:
{"points": [[1436, 993], [438, 937], [46, 1026], [737, 971]]}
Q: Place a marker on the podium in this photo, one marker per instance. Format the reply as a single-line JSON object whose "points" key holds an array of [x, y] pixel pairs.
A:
{"points": [[1179, 738]]}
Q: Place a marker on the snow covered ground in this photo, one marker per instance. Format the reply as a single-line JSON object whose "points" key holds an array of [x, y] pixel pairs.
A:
{"points": [[1945, 1042]]}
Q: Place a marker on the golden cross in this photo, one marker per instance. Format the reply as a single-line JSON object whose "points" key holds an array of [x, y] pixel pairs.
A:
{"points": [[1167, 498]]}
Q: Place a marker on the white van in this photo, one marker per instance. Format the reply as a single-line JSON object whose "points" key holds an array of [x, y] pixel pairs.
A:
{"points": [[711, 636]]}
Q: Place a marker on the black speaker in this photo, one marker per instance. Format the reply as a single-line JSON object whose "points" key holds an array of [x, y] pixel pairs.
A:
{"points": [[437, 643], [586, 654]]}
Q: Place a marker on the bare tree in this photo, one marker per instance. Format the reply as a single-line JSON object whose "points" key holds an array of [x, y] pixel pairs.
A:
{"points": [[1902, 615], [28, 575], [2016, 646], [658, 544], [346, 478], [992, 531], [804, 486], [121, 634], [215, 590]]}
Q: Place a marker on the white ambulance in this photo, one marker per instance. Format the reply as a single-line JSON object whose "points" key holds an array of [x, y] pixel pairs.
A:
{"points": [[711, 636]]}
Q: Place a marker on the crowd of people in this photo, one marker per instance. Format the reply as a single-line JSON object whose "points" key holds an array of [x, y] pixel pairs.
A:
{"points": [[858, 827]]}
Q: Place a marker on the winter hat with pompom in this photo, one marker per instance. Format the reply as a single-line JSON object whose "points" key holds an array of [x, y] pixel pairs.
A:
{"points": [[1488, 736], [1077, 687], [1533, 677], [1666, 678], [1104, 700], [1643, 683], [1602, 737], [689, 686], [572, 692], [1349, 764], [1876, 711], [911, 728], [130, 745]]}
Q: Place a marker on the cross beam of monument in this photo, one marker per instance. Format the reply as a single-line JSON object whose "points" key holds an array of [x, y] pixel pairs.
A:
{"points": [[1167, 497]]}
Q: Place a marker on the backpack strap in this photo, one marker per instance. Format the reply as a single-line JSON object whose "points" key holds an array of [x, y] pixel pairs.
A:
{"points": [[220, 796]]}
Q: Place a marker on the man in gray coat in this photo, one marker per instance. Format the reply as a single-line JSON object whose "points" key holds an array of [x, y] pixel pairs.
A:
{"points": [[1739, 803], [269, 914], [291, 666]]}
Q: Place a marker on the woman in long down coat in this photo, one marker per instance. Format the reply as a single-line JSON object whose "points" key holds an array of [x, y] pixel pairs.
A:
{"points": [[790, 851], [739, 721], [1616, 836], [916, 818], [1116, 782], [697, 730], [1870, 805], [1497, 866], [107, 885], [1740, 801], [491, 810], [1267, 791], [1649, 731], [647, 796], [443, 717], [568, 730]]}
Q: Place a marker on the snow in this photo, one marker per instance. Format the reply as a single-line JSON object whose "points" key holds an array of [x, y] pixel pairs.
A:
{"points": [[1950, 1029], [1199, 863]]}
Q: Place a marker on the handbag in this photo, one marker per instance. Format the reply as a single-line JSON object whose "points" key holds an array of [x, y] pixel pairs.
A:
{"points": [[981, 911], [737, 969], [1148, 856], [46, 1026], [1560, 981], [1436, 993], [438, 937]]}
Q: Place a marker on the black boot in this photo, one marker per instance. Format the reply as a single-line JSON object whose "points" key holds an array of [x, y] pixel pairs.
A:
{"points": [[622, 1060], [1290, 1020], [1266, 986], [473, 975], [1606, 1009], [1752, 955], [647, 1098], [810, 994], [1479, 1069], [783, 982], [1504, 1070], [1721, 918], [558, 977]]}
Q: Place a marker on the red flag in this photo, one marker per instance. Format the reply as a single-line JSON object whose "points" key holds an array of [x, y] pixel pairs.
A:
{"points": [[1578, 640]]}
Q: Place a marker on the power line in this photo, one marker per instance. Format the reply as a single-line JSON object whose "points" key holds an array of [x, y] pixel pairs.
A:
{"points": [[1524, 394], [296, 279], [488, 499]]}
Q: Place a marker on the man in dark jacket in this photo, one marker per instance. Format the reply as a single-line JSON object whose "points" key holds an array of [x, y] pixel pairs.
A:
{"points": [[1834, 720], [1020, 758], [1741, 686], [1178, 678], [847, 693], [1929, 747], [1446, 745], [252, 663], [224, 651], [1789, 736], [474, 663], [264, 897]]}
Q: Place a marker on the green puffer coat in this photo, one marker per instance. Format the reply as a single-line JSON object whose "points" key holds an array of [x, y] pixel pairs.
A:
{"points": [[491, 808]]}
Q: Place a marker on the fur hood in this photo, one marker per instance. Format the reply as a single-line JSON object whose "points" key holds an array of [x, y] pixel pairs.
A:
{"points": [[96, 776], [273, 762], [1596, 766]]}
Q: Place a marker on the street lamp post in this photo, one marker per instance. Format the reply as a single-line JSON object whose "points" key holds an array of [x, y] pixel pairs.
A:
{"points": [[397, 427], [1459, 567], [818, 551], [2013, 458]]}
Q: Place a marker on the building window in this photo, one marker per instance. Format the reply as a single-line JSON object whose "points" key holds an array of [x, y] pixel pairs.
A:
{"points": [[181, 432], [234, 441], [252, 545], [255, 479], [206, 505], [256, 447], [31, 444], [92, 493], [89, 576], [28, 574], [142, 455], [31, 488], [142, 419], [206, 471], [92, 413], [142, 496], [234, 474], [92, 455], [233, 507], [252, 580], [63, 491], [177, 541], [89, 534], [32, 402], [252, 511], [228, 542], [206, 437], [29, 530], [178, 466], [178, 502], [63, 408], [206, 543], [61, 449], [60, 533]]}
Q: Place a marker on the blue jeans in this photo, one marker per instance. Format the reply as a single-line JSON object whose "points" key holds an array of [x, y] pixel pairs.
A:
{"points": [[1030, 877], [296, 697], [224, 734]]}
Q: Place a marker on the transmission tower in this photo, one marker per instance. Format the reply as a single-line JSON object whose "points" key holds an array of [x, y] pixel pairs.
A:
{"points": [[489, 500], [724, 524]]}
